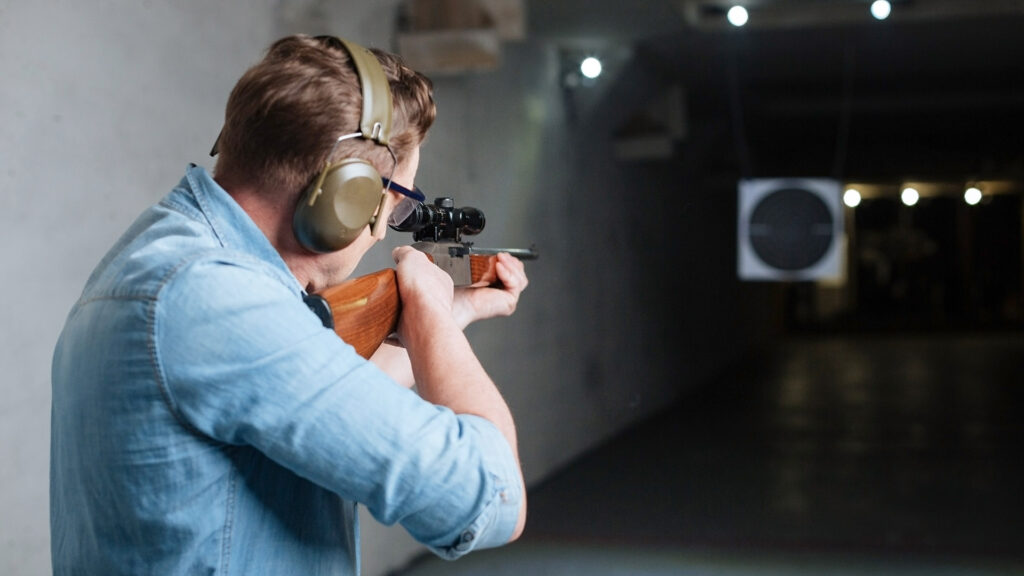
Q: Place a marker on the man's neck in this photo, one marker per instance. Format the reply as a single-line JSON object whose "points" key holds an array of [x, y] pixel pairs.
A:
{"points": [[272, 214], [272, 217]]}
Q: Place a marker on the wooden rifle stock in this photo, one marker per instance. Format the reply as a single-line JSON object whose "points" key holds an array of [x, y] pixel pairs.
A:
{"points": [[365, 310]]}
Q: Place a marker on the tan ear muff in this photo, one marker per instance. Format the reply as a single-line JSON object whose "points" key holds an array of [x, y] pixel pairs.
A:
{"points": [[335, 210], [347, 194]]}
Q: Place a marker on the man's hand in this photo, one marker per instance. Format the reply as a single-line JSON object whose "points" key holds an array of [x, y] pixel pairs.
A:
{"points": [[417, 274], [474, 303], [426, 292]]}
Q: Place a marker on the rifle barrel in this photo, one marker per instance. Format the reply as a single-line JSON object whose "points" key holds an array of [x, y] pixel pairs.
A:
{"points": [[521, 253]]}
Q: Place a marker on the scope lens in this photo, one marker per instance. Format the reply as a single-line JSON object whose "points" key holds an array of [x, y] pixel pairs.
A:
{"points": [[470, 221]]}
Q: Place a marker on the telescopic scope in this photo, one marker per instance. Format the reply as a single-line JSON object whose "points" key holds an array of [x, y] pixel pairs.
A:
{"points": [[442, 221]]}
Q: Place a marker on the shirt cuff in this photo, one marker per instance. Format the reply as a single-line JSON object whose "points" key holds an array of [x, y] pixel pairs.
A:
{"points": [[497, 521]]}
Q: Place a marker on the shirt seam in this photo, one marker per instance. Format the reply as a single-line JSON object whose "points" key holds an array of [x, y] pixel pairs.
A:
{"points": [[154, 352], [229, 523], [227, 531], [174, 204]]}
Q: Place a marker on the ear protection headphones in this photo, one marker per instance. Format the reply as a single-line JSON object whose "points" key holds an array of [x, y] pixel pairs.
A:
{"points": [[349, 193]]}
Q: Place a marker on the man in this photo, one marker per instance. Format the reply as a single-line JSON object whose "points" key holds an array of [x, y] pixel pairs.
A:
{"points": [[204, 420]]}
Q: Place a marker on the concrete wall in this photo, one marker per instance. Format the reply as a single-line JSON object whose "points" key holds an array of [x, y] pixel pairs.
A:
{"points": [[102, 106]]}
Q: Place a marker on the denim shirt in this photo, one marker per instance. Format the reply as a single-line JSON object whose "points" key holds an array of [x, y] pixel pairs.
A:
{"points": [[205, 422]]}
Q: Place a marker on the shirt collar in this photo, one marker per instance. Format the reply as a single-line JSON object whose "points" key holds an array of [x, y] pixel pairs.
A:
{"points": [[232, 225]]}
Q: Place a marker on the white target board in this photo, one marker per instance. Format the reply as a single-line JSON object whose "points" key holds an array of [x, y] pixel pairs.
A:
{"points": [[789, 229]]}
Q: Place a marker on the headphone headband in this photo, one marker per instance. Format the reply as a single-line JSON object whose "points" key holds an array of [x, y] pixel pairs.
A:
{"points": [[375, 123]]}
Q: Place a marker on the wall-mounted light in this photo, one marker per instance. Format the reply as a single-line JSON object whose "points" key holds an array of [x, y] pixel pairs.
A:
{"points": [[851, 198], [584, 68], [590, 67], [881, 9], [910, 196], [972, 195], [737, 16]]}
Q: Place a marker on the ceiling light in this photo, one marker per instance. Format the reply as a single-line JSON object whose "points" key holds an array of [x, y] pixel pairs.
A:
{"points": [[881, 9], [737, 16]]}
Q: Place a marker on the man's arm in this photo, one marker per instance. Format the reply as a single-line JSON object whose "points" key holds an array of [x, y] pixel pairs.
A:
{"points": [[394, 361], [316, 408], [435, 342]]}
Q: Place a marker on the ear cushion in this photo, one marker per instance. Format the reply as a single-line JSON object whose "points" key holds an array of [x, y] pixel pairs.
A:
{"points": [[336, 209]]}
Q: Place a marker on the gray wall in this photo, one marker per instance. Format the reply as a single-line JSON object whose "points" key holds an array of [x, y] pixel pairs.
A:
{"points": [[102, 106]]}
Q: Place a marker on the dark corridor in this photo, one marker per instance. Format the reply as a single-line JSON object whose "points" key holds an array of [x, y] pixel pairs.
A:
{"points": [[883, 434], [938, 265]]}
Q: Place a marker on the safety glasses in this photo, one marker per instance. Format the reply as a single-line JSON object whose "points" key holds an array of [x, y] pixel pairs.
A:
{"points": [[411, 199]]}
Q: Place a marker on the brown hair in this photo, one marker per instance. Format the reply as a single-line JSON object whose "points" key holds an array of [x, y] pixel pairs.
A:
{"points": [[286, 112]]}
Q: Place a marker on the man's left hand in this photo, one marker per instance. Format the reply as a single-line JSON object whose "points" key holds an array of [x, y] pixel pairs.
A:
{"points": [[474, 303]]}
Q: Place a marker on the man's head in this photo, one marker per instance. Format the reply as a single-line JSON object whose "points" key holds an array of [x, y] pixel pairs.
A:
{"points": [[286, 113]]}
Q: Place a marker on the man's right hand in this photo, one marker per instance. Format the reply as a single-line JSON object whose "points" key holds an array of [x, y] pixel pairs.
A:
{"points": [[426, 292]]}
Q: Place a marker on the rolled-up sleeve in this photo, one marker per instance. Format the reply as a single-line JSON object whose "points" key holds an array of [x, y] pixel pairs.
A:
{"points": [[497, 520], [243, 362]]}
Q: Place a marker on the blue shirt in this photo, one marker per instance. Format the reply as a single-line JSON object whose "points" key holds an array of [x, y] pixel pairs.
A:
{"points": [[205, 422]]}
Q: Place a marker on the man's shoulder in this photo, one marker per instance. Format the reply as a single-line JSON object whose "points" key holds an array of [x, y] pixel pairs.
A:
{"points": [[159, 241], [221, 273], [166, 245]]}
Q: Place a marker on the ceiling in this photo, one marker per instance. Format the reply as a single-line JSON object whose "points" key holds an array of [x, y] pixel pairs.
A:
{"points": [[935, 91]]}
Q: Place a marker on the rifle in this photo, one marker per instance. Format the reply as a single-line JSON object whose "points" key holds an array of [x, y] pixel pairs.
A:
{"points": [[364, 311]]}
